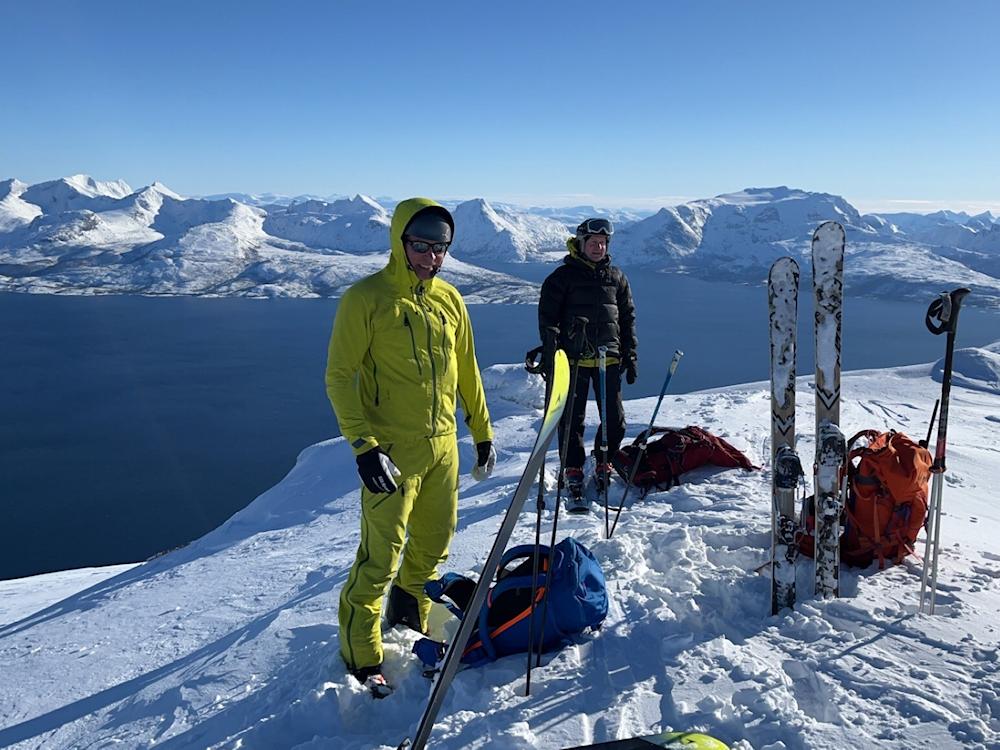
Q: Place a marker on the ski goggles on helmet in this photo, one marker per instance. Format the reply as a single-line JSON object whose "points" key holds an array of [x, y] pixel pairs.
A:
{"points": [[596, 226], [422, 247]]}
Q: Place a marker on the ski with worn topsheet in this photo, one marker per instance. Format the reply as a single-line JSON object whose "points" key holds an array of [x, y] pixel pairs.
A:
{"points": [[828, 291], [449, 666], [782, 299]]}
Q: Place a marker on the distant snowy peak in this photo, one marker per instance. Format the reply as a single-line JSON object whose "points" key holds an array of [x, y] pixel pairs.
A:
{"points": [[787, 206], [87, 185], [175, 216], [162, 189], [12, 187], [75, 193], [746, 229], [950, 229], [486, 233], [266, 199], [358, 224], [15, 212], [571, 216]]}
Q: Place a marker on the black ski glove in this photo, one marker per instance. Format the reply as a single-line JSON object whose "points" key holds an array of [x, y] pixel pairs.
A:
{"points": [[377, 471], [631, 371], [486, 459]]}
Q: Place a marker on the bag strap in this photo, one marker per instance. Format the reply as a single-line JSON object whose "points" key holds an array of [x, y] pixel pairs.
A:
{"points": [[446, 590], [486, 636], [520, 552]]}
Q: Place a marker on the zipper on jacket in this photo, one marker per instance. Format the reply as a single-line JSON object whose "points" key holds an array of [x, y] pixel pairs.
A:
{"points": [[444, 339], [430, 353], [375, 378], [413, 343]]}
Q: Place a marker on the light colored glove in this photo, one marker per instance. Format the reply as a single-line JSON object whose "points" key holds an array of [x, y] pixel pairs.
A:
{"points": [[486, 456]]}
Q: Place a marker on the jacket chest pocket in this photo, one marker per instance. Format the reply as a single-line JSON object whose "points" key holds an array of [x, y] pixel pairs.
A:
{"points": [[399, 343], [447, 339]]}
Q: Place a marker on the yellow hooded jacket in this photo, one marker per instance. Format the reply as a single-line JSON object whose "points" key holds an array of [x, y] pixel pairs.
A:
{"points": [[400, 353]]}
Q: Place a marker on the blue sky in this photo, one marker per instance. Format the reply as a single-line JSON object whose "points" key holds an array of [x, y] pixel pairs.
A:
{"points": [[893, 105]]}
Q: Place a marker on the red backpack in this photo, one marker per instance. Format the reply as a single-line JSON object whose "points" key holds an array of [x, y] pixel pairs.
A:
{"points": [[675, 452], [886, 500]]}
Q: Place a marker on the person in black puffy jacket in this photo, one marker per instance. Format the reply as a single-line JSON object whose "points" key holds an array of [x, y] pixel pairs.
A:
{"points": [[587, 285]]}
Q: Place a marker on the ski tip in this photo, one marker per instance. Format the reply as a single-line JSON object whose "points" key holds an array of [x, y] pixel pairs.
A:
{"points": [[669, 740], [829, 230], [690, 740]]}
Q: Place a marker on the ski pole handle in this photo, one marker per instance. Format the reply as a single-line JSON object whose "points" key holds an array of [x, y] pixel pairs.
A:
{"points": [[942, 315]]}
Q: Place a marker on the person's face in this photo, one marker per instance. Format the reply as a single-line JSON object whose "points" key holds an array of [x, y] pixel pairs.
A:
{"points": [[425, 264], [595, 247]]}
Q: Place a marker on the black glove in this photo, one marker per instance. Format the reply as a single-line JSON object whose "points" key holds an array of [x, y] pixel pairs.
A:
{"points": [[631, 371], [486, 458], [377, 471]]}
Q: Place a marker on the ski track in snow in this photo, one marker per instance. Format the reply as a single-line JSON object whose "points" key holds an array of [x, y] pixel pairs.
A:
{"points": [[231, 642]]}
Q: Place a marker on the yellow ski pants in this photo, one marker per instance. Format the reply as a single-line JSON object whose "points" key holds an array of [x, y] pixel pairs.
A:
{"points": [[422, 512]]}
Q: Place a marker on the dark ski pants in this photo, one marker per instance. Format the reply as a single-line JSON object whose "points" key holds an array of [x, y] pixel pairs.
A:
{"points": [[585, 378]]}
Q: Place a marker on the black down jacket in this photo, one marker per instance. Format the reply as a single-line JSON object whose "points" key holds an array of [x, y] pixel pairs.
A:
{"points": [[599, 292]]}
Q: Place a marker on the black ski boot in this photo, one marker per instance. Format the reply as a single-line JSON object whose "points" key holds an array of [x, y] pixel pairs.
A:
{"points": [[575, 500], [602, 477], [402, 609], [373, 680]]}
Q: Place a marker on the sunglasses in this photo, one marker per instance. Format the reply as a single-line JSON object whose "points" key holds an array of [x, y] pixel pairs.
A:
{"points": [[597, 226], [419, 246]]}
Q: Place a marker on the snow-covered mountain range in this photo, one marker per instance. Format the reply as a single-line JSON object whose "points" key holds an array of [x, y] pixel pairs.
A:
{"points": [[78, 235]]}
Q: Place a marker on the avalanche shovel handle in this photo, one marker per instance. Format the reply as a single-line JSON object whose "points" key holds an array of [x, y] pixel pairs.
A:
{"points": [[943, 311]]}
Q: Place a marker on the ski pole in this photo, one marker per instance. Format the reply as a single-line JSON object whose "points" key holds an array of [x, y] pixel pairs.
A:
{"points": [[930, 428], [578, 338], [602, 374], [551, 338], [942, 317], [644, 437]]}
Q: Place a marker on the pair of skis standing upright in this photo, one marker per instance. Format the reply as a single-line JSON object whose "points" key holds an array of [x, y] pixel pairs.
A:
{"points": [[830, 479], [828, 291]]}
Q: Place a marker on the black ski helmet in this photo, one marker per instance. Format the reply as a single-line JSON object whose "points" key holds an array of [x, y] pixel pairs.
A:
{"points": [[594, 226], [433, 223]]}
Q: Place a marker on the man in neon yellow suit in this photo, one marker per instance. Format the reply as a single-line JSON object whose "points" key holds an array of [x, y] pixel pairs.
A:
{"points": [[400, 356]]}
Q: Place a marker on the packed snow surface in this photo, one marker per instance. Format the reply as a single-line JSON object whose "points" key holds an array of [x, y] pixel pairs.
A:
{"points": [[231, 642]]}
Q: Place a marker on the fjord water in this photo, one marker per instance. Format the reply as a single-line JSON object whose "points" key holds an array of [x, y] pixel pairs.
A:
{"points": [[132, 425]]}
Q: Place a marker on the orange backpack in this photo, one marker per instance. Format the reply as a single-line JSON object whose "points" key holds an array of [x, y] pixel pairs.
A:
{"points": [[887, 498]]}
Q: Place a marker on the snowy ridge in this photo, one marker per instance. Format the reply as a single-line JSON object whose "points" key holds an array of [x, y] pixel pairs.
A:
{"points": [[356, 225], [739, 231], [78, 191], [14, 210], [487, 233], [231, 642], [571, 216]]}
